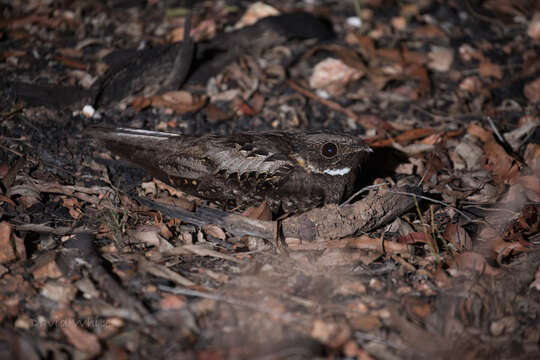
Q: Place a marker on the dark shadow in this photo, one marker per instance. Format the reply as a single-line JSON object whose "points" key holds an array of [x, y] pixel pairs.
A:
{"points": [[380, 164]]}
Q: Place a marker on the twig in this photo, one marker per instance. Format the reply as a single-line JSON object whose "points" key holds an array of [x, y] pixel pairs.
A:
{"points": [[434, 201], [9, 114], [495, 130], [182, 62], [363, 190]]}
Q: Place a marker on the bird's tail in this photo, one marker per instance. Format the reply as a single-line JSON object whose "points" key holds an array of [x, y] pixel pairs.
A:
{"points": [[142, 147]]}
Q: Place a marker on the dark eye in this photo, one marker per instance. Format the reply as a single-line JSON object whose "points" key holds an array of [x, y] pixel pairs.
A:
{"points": [[329, 150]]}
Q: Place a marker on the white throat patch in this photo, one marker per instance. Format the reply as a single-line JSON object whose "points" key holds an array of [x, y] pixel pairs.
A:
{"points": [[339, 172]]}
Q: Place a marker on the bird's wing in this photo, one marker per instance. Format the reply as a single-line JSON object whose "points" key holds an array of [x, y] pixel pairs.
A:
{"points": [[241, 155]]}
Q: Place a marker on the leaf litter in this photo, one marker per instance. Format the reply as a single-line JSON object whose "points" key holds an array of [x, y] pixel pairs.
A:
{"points": [[440, 258]]}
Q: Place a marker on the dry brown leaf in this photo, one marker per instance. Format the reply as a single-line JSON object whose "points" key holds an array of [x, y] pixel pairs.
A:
{"points": [[257, 102], [214, 231], [45, 267], [20, 247], [536, 283], [534, 27], [73, 206], [60, 291], [330, 333], [468, 53], [413, 57], [366, 46], [458, 237], [261, 212], [141, 103], [333, 76], [214, 114], [255, 12], [416, 237], [180, 101], [420, 74], [471, 84], [532, 184], [502, 165], [404, 137], [532, 157], [399, 23], [352, 350], [441, 58], [350, 287], [172, 302], [365, 323], [83, 340], [504, 249], [242, 107], [178, 97], [504, 168], [150, 235], [7, 253], [430, 31], [390, 54], [479, 132], [489, 69]]}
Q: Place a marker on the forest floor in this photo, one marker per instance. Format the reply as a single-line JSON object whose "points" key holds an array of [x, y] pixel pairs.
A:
{"points": [[440, 260]]}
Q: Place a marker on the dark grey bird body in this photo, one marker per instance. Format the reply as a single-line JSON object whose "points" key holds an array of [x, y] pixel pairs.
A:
{"points": [[294, 171]]}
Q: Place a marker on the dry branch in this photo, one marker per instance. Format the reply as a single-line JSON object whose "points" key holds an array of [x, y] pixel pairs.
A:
{"points": [[328, 222]]}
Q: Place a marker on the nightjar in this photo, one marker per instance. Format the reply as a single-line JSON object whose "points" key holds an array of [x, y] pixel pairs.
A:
{"points": [[293, 170]]}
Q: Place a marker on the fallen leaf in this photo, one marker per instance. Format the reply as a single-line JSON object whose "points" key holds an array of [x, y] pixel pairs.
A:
{"points": [[214, 114], [172, 302], [489, 69], [416, 237], [536, 283], [441, 58], [45, 267], [333, 76], [330, 333], [83, 340], [458, 237], [534, 27], [261, 212], [7, 253], [214, 231], [430, 31], [255, 12]]}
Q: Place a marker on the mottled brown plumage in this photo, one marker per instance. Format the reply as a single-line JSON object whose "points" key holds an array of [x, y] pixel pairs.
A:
{"points": [[292, 170]]}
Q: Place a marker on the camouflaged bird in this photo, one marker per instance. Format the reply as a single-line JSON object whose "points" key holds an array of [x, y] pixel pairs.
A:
{"points": [[293, 170]]}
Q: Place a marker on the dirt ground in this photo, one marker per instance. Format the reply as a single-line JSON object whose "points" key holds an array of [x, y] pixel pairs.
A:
{"points": [[436, 257]]}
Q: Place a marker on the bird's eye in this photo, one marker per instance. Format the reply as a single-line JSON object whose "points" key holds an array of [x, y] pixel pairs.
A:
{"points": [[329, 150]]}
